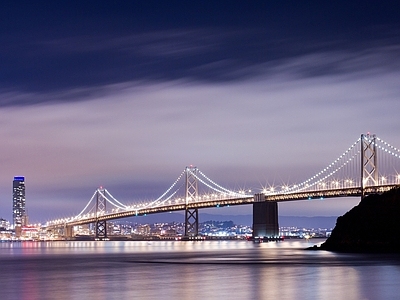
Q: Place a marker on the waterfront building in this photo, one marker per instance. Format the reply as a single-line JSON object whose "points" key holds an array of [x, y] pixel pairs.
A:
{"points": [[19, 210], [4, 224]]}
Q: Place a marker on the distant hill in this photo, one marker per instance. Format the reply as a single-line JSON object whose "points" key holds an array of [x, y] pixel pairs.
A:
{"points": [[307, 222], [284, 221], [371, 226]]}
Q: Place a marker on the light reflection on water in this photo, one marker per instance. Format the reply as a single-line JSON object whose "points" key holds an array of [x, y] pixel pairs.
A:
{"points": [[192, 270]]}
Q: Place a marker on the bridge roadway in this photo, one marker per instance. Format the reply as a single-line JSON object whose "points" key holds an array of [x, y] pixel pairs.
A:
{"points": [[306, 195]]}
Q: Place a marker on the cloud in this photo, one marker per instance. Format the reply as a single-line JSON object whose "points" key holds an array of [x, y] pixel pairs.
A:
{"points": [[244, 133], [163, 43], [86, 59]]}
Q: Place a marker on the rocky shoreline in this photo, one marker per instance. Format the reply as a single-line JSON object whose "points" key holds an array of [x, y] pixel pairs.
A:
{"points": [[373, 226]]}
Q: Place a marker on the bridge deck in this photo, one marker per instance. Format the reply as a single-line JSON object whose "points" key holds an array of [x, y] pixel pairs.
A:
{"points": [[306, 195]]}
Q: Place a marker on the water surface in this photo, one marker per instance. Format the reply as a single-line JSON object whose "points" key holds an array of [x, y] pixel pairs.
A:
{"points": [[192, 270]]}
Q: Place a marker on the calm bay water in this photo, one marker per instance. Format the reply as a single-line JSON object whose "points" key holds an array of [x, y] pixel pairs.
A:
{"points": [[192, 270]]}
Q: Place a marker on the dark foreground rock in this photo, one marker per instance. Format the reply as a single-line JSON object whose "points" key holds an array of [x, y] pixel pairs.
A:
{"points": [[371, 226]]}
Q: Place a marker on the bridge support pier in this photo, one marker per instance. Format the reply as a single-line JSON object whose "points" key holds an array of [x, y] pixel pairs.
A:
{"points": [[265, 219], [101, 230], [68, 232], [191, 222]]}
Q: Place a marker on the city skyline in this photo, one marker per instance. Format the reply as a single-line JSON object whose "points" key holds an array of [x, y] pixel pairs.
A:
{"points": [[127, 95]]}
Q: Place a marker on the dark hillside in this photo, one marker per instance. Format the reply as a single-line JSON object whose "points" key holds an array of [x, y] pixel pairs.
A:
{"points": [[371, 226]]}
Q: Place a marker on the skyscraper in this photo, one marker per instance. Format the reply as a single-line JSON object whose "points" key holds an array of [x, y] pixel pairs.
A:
{"points": [[19, 212]]}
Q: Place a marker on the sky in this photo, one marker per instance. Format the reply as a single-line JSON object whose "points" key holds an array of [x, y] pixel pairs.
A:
{"points": [[126, 94]]}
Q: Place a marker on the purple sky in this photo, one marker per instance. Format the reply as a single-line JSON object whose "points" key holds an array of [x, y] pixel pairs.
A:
{"points": [[127, 95]]}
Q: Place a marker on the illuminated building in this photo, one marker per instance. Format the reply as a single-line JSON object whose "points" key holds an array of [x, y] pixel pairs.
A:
{"points": [[4, 224], [19, 211]]}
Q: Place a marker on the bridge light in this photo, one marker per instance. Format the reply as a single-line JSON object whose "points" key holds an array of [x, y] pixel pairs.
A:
{"points": [[335, 184]]}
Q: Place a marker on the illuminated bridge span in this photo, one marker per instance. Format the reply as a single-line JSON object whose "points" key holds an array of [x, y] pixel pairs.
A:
{"points": [[354, 173]]}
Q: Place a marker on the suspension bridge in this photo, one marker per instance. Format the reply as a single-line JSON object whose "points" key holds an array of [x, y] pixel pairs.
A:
{"points": [[370, 165]]}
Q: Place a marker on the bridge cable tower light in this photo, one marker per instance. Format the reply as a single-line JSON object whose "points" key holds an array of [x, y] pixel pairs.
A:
{"points": [[191, 214], [100, 225], [369, 162]]}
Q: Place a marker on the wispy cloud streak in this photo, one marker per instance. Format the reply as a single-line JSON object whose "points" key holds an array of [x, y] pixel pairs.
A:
{"points": [[238, 131]]}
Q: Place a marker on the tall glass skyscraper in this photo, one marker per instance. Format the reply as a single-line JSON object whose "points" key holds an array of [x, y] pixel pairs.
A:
{"points": [[19, 211]]}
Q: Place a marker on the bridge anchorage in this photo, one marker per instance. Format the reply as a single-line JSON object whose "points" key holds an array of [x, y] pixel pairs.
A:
{"points": [[370, 165]]}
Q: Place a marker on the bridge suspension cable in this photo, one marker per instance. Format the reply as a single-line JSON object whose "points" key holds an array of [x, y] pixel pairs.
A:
{"points": [[216, 187], [345, 170], [394, 149], [167, 191], [330, 170], [121, 205], [83, 210]]}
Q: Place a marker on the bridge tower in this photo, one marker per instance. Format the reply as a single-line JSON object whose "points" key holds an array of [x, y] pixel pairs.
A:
{"points": [[101, 225], [191, 214], [369, 162]]}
